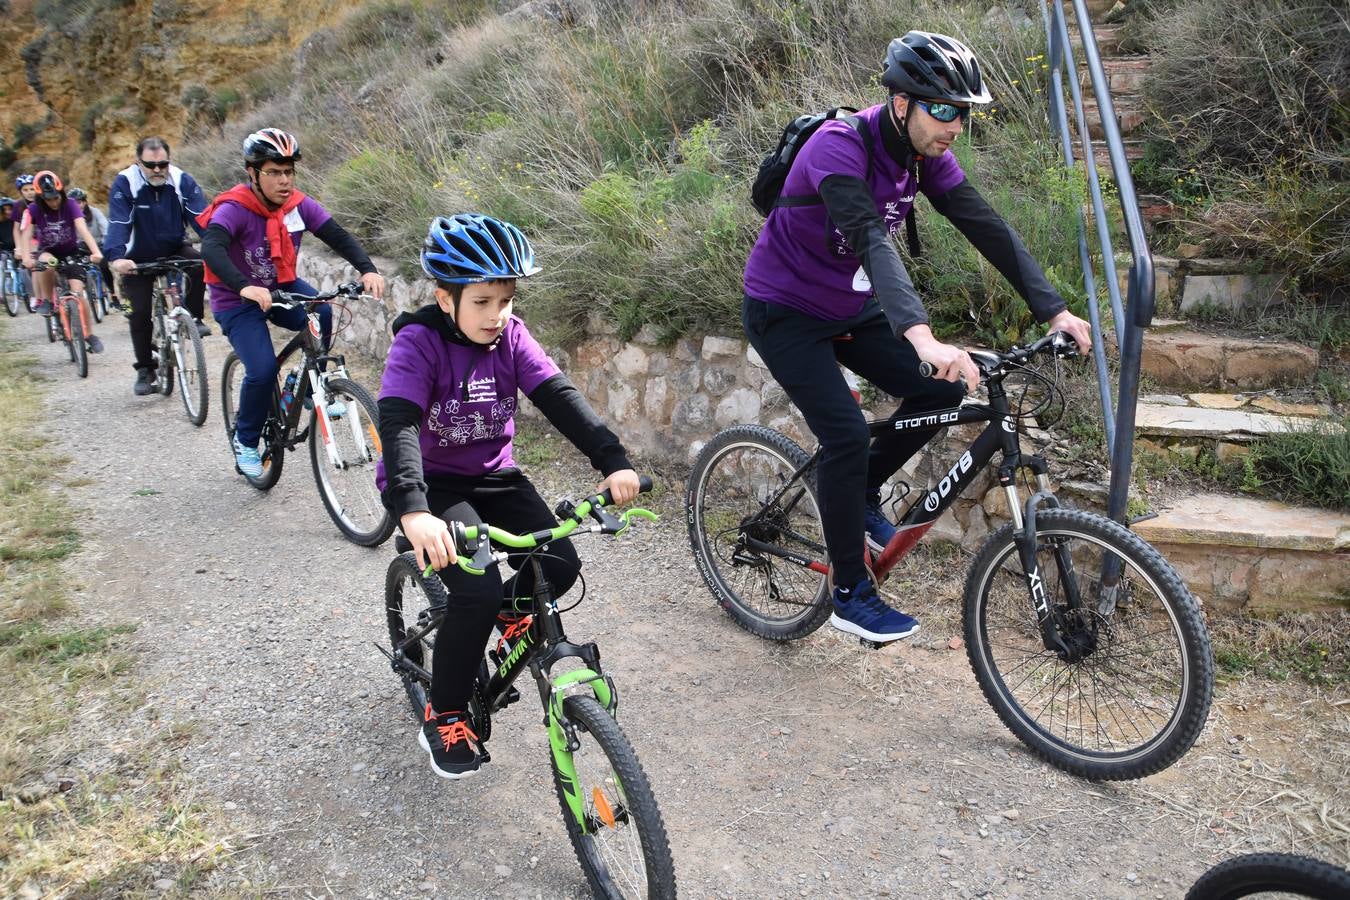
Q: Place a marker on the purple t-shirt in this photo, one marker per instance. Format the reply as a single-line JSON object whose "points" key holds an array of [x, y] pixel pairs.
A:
{"points": [[55, 229], [468, 394], [801, 259], [249, 250]]}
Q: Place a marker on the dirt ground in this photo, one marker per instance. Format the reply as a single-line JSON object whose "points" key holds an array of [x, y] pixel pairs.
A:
{"points": [[808, 770]]}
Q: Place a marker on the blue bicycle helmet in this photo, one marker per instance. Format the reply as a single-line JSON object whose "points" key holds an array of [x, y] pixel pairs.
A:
{"points": [[22, 180], [471, 248], [6, 201]]}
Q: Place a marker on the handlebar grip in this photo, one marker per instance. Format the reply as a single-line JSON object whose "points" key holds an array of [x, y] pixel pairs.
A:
{"points": [[645, 484], [927, 369]]}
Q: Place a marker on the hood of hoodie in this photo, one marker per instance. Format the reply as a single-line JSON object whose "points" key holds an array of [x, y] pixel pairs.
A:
{"points": [[433, 317]]}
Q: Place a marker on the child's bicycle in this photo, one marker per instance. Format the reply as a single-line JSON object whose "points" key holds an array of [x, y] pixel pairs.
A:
{"points": [[343, 428], [607, 802], [69, 320], [177, 345], [1281, 874], [1082, 637]]}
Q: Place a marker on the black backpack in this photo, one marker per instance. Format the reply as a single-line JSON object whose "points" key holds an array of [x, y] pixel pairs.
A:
{"points": [[773, 169]]}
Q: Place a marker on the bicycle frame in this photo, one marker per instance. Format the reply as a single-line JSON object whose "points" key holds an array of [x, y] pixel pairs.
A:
{"points": [[313, 372], [999, 436], [540, 646]]}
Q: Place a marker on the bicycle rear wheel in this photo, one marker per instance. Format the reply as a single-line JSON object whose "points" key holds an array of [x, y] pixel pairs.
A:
{"points": [[618, 836], [164, 354], [411, 600], [190, 363], [757, 534], [1131, 693], [273, 450], [1284, 874], [79, 353], [348, 487]]}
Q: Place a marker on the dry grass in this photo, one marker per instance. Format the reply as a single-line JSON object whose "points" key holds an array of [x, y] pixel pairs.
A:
{"points": [[91, 804]]}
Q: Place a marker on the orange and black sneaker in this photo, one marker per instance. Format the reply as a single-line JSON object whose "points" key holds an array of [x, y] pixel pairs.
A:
{"points": [[450, 742]]}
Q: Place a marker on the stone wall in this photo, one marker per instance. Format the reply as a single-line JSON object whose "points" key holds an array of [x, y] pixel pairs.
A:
{"points": [[665, 401]]}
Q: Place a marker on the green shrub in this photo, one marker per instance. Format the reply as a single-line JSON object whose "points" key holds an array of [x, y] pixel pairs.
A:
{"points": [[1307, 466]]}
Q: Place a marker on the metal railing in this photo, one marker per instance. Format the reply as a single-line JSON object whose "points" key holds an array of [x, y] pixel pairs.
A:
{"points": [[1137, 313]]}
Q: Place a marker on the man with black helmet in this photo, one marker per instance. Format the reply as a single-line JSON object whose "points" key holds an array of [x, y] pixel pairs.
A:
{"points": [[824, 270]]}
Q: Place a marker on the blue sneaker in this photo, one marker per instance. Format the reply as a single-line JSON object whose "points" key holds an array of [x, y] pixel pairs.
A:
{"points": [[860, 611], [247, 460], [336, 408], [879, 528]]}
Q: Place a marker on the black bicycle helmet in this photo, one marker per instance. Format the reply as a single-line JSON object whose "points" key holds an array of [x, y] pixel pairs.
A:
{"points": [[933, 67], [77, 194], [6, 201], [273, 144]]}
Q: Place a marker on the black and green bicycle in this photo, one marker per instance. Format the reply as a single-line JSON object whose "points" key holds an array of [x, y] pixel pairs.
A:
{"points": [[606, 799]]}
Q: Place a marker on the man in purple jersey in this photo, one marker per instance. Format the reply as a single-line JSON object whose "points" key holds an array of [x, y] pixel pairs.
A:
{"points": [[824, 270], [250, 243]]}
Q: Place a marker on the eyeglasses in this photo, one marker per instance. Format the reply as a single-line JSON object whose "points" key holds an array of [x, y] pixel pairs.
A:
{"points": [[278, 173], [944, 112], [163, 164]]}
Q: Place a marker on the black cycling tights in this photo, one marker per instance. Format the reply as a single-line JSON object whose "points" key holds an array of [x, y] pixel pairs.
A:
{"points": [[506, 499], [802, 354]]}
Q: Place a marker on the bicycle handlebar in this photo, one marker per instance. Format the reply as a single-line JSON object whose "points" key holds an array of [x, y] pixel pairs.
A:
{"points": [[989, 361], [166, 265], [474, 553], [288, 300]]}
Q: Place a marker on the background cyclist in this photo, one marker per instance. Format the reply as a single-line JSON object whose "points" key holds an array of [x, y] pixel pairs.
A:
{"points": [[250, 244], [447, 416], [98, 227], [151, 204], [802, 292], [56, 224]]}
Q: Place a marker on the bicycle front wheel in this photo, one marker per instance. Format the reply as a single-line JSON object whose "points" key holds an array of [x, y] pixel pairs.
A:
{"points": [[272, 449], [190, 363], [1130, 691], [347, 483], [95, 305], [615, 826], [755, 528], [1285, 874], [79, 353], [12, 298]]}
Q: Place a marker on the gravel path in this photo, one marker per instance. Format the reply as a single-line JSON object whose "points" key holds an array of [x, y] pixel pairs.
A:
{"points": [[817, 769]]}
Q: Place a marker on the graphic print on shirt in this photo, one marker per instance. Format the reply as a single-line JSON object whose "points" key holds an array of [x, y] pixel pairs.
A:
{"points": [[56, 232], [260, 266], [892, 216], [450, 427]]}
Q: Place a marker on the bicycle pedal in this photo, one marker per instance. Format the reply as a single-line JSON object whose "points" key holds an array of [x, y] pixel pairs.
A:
{"points": [[512, 695]]}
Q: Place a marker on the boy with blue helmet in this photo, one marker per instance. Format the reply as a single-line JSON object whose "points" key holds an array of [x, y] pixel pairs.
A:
{"points": [[447, 417]]}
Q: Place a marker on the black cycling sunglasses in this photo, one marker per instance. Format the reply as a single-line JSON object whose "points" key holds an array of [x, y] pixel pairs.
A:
{"points": [[944, 112], [164, 164]]}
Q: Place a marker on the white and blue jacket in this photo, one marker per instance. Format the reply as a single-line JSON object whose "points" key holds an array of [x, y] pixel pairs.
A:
{"points": [[147, 222]]}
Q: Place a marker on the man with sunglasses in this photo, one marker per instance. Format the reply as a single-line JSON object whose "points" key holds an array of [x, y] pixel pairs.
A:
{"points": [[150, 206], [825, 285]]}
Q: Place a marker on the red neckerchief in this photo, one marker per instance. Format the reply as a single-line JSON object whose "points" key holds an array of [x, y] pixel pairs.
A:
{"points": [[280, 246]]}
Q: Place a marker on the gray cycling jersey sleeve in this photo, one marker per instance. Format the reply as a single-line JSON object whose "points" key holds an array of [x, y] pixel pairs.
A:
{"points": [[998, 243], [853, 209]]}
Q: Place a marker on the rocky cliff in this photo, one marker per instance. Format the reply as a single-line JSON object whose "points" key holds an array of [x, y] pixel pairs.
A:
{"points": [[87, 78]]}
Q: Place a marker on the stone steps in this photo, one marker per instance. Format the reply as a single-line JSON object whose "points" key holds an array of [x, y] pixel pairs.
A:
{"points": [[1183, 360], [1221, 423], [1238, 554]]}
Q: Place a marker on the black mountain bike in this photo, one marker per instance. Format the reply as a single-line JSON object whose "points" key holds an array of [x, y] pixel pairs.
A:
{"points": [[343, 426], [1280, 874], [177, 346], [606, 799], [1083, 638]]}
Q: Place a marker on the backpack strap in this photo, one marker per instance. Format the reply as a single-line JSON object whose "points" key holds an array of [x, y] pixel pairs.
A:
{"points": [[911, 227], [863, 131]]}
